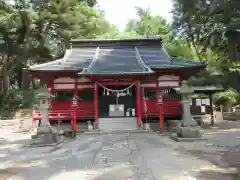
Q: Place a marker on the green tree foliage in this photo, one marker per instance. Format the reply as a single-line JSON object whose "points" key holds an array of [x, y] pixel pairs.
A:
{"points": [[38, 31], [204, 23], [90, 3], [148, 25]]}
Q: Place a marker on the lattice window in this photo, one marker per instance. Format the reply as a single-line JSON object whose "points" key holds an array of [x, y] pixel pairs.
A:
{"points": [[62, 96], [150, 94], [170, 95], [86, 96]]}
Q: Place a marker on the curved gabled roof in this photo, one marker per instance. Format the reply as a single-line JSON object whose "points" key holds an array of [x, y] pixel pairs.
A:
{"points": [[74, 59], [107, 57]]}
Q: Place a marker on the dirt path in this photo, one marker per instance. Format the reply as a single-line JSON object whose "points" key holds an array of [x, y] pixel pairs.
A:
{"points": [[120, 156]]}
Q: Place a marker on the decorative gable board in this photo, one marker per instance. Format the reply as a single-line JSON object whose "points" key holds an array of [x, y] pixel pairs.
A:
{"points": [[64, 80], [168, 81], [83, 79], [64, 86], [169, 84], [168, 78], [85, 86], [148, 85]]}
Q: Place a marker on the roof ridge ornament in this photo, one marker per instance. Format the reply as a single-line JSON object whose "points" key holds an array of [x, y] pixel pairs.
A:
{"points": [[164, 50], [140, 61], [95, 57]]}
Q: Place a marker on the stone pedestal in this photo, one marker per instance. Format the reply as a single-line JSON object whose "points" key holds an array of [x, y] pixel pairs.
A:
{"points": [[45, 134], [189, 132], [147, 126], [188, 128], [45, 139]]}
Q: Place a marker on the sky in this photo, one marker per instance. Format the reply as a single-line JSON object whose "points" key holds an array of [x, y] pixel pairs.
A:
{"points": [[118, 12]]}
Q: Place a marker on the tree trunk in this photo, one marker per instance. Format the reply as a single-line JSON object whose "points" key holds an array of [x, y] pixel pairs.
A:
{"points": [[5, 74], [25, 80]]}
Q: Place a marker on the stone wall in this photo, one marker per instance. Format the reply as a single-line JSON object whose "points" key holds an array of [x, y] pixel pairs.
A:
{"points": [[233, 116]]}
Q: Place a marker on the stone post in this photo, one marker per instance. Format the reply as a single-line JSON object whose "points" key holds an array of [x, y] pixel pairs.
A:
{"points": [[44, 106], [45, 135], [188, 128]]}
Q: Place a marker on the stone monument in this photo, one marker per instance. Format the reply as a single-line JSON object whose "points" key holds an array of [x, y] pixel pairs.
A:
{"points": [[45, 134], [188, 128]]}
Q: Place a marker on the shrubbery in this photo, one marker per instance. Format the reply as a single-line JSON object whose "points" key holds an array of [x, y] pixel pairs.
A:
{"points": [[14, 100]]}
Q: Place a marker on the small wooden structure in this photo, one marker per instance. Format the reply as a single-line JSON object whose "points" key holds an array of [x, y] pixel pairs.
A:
{"points": [[203, 106]]}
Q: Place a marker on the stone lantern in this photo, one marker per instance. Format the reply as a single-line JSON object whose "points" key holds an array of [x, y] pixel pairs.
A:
{"points": [[188, 128], [44, 106], [45, 135]]}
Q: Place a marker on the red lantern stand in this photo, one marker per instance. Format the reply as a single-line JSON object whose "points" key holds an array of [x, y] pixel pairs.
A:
{"points": [[161, 116], [74, 123]]}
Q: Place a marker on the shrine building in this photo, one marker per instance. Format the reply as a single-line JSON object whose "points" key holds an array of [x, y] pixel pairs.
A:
{"points": [[116, 82]]}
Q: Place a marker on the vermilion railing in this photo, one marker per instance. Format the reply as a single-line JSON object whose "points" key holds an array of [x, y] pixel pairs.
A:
{"points": [[84, 112]]}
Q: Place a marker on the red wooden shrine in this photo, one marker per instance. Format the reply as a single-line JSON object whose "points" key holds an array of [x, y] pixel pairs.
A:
{"points": [[134, 72]]}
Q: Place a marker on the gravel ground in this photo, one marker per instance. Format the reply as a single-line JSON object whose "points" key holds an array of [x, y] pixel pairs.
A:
{"points": [[143, 156]]}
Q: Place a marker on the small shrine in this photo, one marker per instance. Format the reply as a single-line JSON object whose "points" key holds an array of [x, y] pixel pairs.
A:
{"points": [[117, 82]]}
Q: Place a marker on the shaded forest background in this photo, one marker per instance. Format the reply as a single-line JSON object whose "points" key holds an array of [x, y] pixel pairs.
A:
{"points": [[33, 31]]}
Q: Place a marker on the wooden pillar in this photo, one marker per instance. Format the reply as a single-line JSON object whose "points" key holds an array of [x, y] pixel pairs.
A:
{"points": [[74, 122], [75, 109], [52, 90], [160, 105], [96, 115], [211, 105], [143, 101], [75, 87], [161, 117], [139, 116]]}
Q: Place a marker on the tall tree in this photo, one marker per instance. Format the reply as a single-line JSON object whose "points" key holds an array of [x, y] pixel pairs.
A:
{"points": [[40, 30], [205, 23], [148, 25]]}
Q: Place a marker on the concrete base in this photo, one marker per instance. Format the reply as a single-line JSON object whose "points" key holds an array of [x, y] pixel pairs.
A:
{"points": [[178, 139], [45, 139], [116, 132], [44, 130], [189, 132], [147, 126]]}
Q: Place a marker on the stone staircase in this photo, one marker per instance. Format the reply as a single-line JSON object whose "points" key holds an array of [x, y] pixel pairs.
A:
{"points": [[118, 124]]}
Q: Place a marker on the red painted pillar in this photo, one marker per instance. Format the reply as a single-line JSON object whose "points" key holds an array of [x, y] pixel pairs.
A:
{"points": [[139, 116], [161, 117], [33, 120], [74, 108], [75, 121], [96, 116], [52, 91], [161, 113]]}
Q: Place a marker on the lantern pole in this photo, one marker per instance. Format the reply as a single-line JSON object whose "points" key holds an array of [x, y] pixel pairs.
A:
{"points": [[74, 125], [161, 117]]}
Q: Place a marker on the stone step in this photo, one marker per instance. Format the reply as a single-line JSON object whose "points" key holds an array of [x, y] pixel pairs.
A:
{"points": [[111, 124]]}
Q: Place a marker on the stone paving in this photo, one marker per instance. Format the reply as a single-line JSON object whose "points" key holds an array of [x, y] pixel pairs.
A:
{"points": [[128, 156]]}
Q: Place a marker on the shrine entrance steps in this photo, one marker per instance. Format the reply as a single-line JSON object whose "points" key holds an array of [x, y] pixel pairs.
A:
{"points": [[116, 124]]}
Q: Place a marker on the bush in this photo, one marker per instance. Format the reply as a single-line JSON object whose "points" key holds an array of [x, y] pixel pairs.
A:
{"points": [[227, 98], [13, 100]]}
